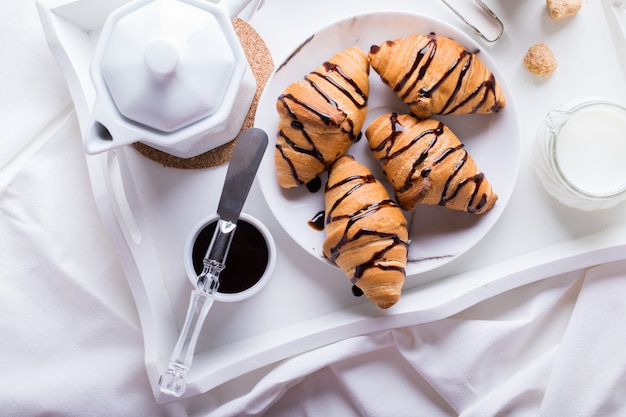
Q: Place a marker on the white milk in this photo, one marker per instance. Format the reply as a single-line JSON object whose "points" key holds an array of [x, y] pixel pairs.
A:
{"points": [[591, 150]]}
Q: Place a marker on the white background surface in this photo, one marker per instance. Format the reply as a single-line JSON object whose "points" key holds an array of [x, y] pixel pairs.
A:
{"points": [[71, 340]]}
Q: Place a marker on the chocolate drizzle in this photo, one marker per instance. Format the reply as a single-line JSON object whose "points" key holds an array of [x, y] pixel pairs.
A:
{"points": [[353, 231], [419, 83], [314, 185], [315, 79], [317, 222], [429, 50], [391, 150]]}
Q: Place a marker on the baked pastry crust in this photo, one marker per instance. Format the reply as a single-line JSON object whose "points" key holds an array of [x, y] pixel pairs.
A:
{"points": [[320, 117], [426, 163], [366, 232], [436, 75]]}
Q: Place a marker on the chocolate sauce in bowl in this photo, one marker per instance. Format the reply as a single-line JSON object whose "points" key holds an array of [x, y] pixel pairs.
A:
{"points": [[247, 258]]}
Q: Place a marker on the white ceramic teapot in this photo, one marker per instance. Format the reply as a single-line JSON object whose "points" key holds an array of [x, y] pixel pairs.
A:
{"points": [[171, 74]]}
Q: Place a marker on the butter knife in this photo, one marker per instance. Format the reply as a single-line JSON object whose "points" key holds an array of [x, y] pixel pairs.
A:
{"points": [[242, 168]]}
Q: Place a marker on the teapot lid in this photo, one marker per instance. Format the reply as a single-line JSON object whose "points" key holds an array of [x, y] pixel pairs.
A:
{"points": [[170, 63]]}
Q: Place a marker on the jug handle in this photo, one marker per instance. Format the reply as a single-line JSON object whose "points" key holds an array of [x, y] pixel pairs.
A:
{"points": [[555, 119]]}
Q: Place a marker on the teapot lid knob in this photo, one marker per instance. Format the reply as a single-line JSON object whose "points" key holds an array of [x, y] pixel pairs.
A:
{"points": [[161, 57]]}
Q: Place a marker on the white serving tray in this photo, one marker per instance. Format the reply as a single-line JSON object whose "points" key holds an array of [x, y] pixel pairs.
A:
{"points": [[148, 211]]}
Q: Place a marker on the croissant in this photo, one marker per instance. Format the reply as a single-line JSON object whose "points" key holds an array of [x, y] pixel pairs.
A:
{"points": [[426, 163], [320, 117], [366, 232], [436, 75]]}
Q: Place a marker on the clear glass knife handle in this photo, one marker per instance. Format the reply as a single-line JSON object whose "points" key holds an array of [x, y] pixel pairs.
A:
{"points": [[173, 381]]}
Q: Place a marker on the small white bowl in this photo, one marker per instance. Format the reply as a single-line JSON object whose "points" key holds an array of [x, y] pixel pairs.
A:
{"points": [[251, 259]]}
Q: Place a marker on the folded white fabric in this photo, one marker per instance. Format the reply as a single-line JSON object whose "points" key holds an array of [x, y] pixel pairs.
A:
{"points": [[588, 376], [552, 348], [31, 83], [492, 359], [70, 340], [71, 343]]}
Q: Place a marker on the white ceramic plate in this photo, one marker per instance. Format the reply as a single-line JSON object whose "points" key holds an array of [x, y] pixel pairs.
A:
{"points": [[437, 234]]}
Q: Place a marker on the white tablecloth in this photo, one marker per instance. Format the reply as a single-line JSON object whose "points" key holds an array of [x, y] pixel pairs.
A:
{"points": [[71, 343]]}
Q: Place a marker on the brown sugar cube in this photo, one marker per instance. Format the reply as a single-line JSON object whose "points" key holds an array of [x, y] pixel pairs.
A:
{"points": [[560, 9], [540, 60]]}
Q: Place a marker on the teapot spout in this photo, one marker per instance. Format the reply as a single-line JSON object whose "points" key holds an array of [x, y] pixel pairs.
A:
{"points": [[99, 138]]}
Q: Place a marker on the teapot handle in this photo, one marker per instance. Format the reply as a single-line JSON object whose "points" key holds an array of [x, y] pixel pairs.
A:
{"points": [[234, 7]]}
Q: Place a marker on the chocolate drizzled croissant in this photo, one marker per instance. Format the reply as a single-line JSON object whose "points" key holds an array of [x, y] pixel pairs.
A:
{"points": [[436, 75], [366, 232], [426, 163], [320, 117]]}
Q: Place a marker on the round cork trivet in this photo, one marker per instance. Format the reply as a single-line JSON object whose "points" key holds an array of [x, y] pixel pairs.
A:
{"points": [[262, 66]]}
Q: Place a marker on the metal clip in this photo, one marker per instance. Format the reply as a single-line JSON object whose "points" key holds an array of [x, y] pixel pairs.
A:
{"points": [[488, 11]]}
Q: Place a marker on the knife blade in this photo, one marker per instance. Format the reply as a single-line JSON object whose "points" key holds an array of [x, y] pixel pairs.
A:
{"points": [[242, 169], [241, 172]]}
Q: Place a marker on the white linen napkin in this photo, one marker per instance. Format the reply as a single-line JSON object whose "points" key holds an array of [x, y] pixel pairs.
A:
{"points": [[589, 373], [492, 359], [551, 348], [31, 83], [71, 343], [70, 340]]}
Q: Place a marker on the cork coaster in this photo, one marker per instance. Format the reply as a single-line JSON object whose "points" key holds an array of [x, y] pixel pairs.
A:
{"points": [[262, 66]]}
